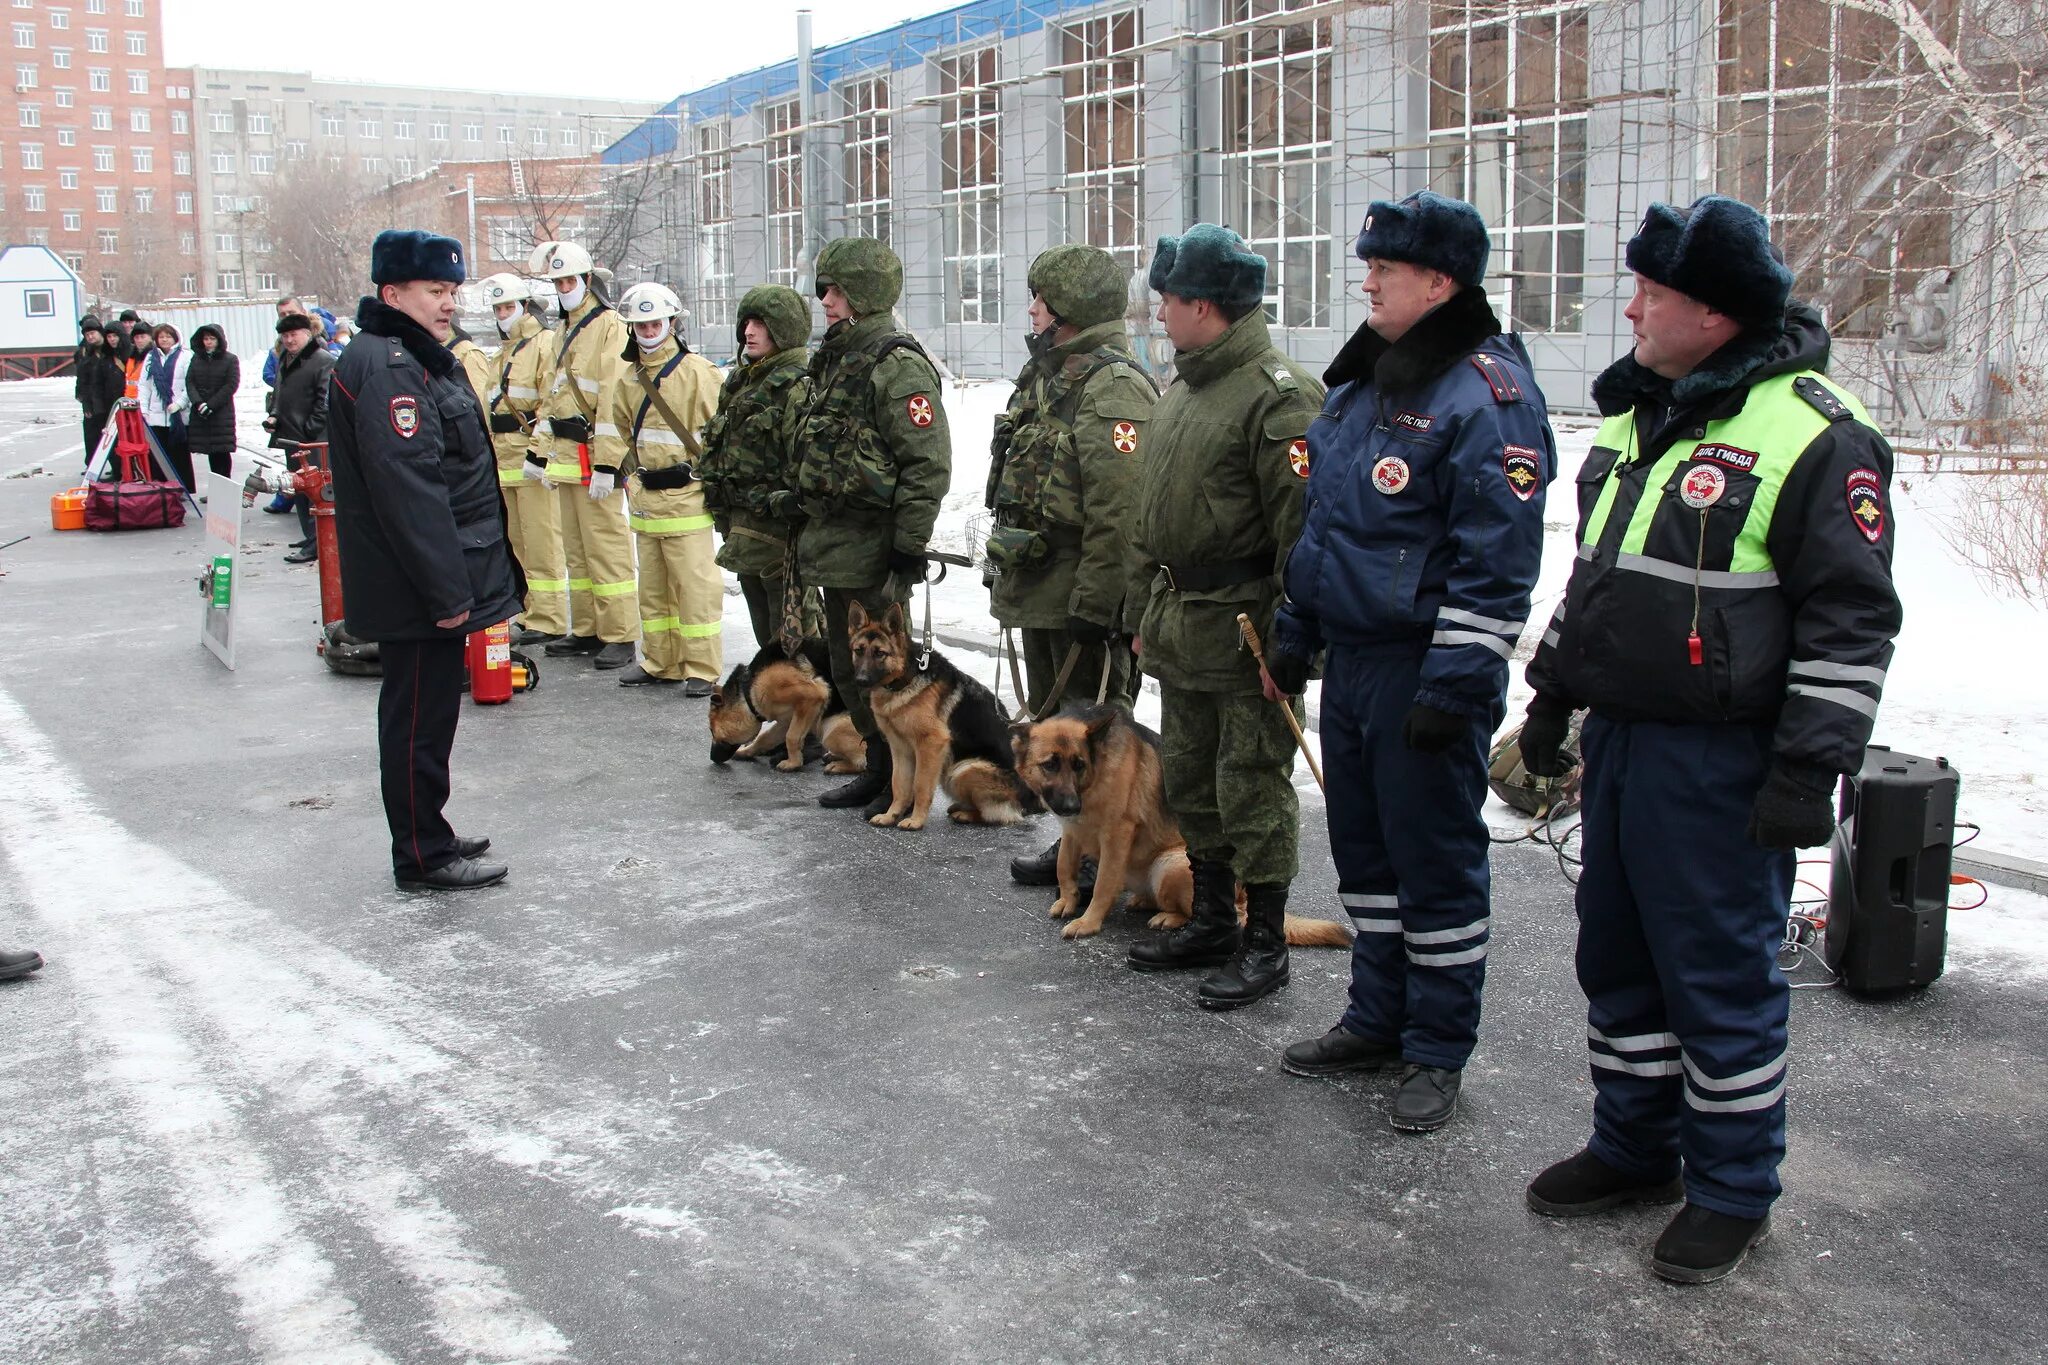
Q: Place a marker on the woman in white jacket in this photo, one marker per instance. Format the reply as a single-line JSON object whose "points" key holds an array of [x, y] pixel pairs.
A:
{"points": [[164, 399]]}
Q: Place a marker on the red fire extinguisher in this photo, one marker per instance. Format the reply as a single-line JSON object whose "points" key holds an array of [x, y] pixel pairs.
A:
{"points": [[490, 665]]}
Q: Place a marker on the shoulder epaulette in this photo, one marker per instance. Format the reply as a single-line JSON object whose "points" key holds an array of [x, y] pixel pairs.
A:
{"points": [[1283, 378], [1498, 377], [1822, 398]]}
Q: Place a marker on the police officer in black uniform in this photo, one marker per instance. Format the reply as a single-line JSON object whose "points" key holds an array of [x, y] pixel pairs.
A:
{"points": [[421, 528]]}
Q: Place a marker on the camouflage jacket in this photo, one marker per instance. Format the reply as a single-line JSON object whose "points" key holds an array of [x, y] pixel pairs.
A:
{"points": [[750, 456], [1061, 480], [876, 457], [1219, 496]]}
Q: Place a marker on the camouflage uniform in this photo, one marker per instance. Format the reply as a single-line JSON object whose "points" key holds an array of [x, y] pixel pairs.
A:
{"points": [[750, 457], [1218, 508], [1064, 458], [876, 458]]}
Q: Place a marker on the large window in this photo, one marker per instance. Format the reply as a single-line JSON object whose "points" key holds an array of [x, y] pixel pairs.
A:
{"points": [[970, 185], [866, 106], [716, 301], [1277, 141], [785, 194], [1820, 127], [1102, 99], [1507, 120]]}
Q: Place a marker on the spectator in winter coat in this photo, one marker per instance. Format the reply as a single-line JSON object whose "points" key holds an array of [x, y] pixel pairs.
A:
{"points": [[211, 383], [164, 400], [298, 410], [134, 357], [96, 382]]}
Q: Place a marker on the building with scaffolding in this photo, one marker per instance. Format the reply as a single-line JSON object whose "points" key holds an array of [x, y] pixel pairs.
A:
{"points": [[973, 139]]}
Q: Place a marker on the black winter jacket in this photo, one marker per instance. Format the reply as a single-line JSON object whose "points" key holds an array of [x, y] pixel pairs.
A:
{"points": [[417, 508], [1805, 651], [211, 382], [299, 402], [97, 380]]}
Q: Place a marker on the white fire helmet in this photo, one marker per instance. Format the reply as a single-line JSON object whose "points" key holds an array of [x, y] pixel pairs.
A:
{"points": [[651, 302], [505, 287], [554, 260]]}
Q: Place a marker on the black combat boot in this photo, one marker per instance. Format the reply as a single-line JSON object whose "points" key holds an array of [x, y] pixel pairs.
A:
{"points": [[1703, 1245], [872, 781], [1043, 869], [1260, 966], [1210, 936]]}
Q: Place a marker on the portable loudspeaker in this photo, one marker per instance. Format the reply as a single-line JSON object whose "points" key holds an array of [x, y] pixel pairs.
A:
{"points": [[1888, 899]]}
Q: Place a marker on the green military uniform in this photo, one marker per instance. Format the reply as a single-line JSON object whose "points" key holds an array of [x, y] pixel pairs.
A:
{"points": [[1065, 457], [876, 462], [1218, 508], [750, 459]]}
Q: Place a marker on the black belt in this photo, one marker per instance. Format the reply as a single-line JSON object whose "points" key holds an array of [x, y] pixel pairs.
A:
{"points": [[505, 423], [1208, 577], [575, 429]]}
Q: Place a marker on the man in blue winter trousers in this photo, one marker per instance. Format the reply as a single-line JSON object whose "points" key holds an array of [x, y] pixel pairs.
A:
{"points": [[1728, 622], [1420, 545]]}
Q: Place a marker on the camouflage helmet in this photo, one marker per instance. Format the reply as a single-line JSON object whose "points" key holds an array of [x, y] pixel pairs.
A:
{"points": [[1082, 285], [784, 312], [868, 273]]}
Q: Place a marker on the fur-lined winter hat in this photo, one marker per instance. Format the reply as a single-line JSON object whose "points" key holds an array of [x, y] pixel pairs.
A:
{"points": [[1431, 230], [1719, 252], [1209, 262], [400, 255]]}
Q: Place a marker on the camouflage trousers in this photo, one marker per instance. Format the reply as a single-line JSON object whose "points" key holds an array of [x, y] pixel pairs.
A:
{"points": [[764, 608], [1229, 760]]}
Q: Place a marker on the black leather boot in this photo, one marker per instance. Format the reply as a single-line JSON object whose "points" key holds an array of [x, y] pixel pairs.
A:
{"points": [[869, 784], [1210, 936], [1043, 869], [1260, 966]]}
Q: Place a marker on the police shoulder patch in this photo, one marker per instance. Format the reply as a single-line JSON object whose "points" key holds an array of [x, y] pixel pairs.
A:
{"points": [[405, 415], [1523, 469], [1864, 492]]}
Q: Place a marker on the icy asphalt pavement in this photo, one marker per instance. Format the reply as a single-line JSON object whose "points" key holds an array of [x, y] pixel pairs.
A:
{"points": [[720, 1076]]}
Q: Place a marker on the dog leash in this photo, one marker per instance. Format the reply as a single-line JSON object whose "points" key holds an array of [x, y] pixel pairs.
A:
{"points": [[942, 559], [1059, 684]]}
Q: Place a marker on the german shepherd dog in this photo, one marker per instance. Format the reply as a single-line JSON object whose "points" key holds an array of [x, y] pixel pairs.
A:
{"points": [[791, 698], [942, 727], [1098, 770]]}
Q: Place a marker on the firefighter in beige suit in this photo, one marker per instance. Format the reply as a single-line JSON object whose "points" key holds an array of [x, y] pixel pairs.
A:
{"points": [[595, 543], [657, 403], [526, 356]]}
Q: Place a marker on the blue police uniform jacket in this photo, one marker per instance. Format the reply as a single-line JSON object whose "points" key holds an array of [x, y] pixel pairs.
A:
{"points": [[1424, 517]]}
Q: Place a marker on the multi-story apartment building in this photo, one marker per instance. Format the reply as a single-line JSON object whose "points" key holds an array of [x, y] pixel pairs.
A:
{"points": [[255, 130], [96, 145]]}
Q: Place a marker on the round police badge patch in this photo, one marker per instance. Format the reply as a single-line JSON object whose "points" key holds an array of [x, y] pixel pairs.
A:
{"points": [[1702, 487], [1390, 474], [1297, 457], [1865, 494], [1523, 469], [1124, 436], [920, 409], [405, 415]]}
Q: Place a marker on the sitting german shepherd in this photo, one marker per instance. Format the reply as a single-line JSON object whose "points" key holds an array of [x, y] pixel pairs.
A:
{"points": [[791, 698], [942, 727], [1098, 770]]}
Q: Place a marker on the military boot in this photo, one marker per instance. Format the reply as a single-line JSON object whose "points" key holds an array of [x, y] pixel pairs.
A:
{"points": [[1043, 869], [1210, 936], [872, 781], [1260, 966]]}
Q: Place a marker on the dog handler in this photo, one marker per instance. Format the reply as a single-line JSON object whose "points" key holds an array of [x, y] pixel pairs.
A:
{"points": [[422, 535], [603, 619], [1414, 567], [876, 463], [1218, 507], [1729, 621], [648, 428], [526, 358], [1065, 455]]}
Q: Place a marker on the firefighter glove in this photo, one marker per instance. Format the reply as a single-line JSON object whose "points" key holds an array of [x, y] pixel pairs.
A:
{"points": [[1289, 672], [1542, 738], [1430, 731], [1795, 807], [603, 483]]}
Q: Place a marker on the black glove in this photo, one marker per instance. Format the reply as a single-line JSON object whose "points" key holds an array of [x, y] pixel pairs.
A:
{"points": [[1795, 808], [908, 567], [1289, 672], [1543, 736], [1083, 631], [1430, 731], [785, 505]]}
